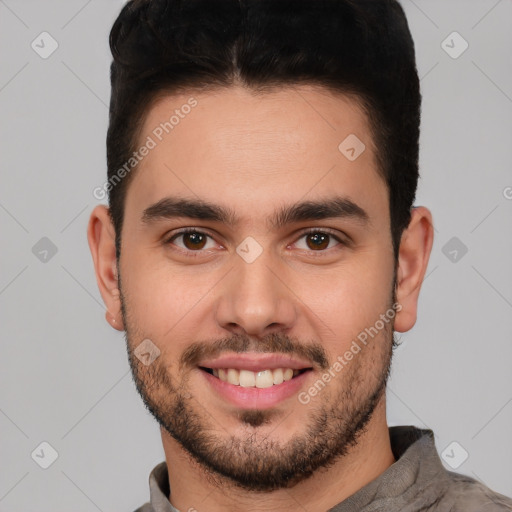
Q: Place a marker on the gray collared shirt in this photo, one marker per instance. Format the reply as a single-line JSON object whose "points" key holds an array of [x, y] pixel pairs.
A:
{"points": [[416, 482]]}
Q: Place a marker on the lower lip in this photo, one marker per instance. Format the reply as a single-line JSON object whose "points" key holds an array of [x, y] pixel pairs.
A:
{"points": [[256, 398]]}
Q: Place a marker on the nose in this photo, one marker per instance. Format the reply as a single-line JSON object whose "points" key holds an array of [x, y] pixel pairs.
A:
{"points": [[255, 298]]}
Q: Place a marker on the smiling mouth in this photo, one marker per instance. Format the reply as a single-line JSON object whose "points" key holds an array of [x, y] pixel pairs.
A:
{"points": [[260, 379]]}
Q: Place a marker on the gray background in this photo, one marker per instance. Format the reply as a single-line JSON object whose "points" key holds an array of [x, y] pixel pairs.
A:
{"points": [[64, 376]]}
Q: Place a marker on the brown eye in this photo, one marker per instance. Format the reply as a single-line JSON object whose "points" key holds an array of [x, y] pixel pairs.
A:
{"points": [[192, 240], [319, 241]]}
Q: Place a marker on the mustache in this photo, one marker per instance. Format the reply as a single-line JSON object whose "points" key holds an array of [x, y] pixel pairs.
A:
{"points": [[239, 343]]}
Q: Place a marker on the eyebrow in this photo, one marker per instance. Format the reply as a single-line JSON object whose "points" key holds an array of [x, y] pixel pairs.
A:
{"points": [[335, 207]]}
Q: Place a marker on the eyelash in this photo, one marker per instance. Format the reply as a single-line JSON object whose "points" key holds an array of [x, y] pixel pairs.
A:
{"points": [[323, 231]]}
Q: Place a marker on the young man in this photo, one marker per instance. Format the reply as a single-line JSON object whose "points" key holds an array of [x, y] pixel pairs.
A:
{"points": [[261, 248]]}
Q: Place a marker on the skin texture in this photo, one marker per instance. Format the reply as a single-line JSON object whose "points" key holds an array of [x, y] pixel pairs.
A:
{"points": [[306, 296]]}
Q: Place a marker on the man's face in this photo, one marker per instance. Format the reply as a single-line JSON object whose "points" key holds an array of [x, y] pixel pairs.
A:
{"points": [[259, 284]]}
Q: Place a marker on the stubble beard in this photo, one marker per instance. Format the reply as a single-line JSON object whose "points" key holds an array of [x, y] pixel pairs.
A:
{"points": [[254, 461]]}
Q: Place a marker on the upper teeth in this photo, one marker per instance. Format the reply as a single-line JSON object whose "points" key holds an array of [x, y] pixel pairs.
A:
{"points": [[248, 379]]}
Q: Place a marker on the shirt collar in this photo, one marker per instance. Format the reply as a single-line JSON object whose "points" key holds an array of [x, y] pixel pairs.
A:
{"points": [[417, 464]]}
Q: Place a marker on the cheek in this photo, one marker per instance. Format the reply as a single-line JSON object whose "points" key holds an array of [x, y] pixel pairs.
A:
{"points": [[164, 302], [347, 300]]}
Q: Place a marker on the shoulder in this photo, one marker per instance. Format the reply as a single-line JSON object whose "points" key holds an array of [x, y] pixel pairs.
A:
{"points": [[465, 494]]}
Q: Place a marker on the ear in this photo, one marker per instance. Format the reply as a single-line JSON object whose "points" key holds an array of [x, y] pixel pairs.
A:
{"points": [[101, 237], [414, 253]]}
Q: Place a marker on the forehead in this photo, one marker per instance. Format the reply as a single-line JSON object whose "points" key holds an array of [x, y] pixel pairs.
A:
{"points": [[234, 147]]}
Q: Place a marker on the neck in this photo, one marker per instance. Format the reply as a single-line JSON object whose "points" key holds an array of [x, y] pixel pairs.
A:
{"points": [[191, 489]]}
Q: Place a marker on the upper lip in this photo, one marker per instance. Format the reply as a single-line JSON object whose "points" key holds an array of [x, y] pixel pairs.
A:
{"points": [[256, 362]]}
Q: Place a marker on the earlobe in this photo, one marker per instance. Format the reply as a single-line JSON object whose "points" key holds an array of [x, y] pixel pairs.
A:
{"points": [[101, 238], [414, 254]]}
